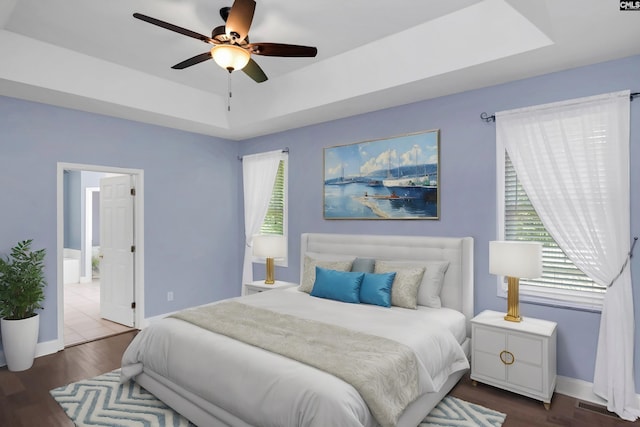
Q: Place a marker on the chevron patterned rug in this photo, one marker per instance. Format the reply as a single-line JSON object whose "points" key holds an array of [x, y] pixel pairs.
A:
{"points": [[454, 412], [104, 401]]}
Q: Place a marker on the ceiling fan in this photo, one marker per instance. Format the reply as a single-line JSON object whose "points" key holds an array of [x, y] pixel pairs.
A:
{"points": [[231, 47]]}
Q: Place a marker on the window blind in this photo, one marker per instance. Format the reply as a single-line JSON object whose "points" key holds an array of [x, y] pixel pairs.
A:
{"points": [[274, 218], [521, 222]]}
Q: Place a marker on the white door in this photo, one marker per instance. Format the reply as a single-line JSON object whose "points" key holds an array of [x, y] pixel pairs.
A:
{"points": [[116, 250]]}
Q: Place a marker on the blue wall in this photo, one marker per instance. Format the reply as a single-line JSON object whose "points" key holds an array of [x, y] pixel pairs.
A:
{"points": [[193, 202], [72, 210], [75, 185], [88, 180], [191, 198], [467, 182]]}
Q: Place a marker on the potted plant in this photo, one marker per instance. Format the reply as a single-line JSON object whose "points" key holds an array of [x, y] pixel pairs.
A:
{"points": [[21, 292]]}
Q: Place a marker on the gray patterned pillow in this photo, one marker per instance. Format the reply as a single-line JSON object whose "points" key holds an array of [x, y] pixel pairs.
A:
{"points": [[309, 272], [404, 291]]}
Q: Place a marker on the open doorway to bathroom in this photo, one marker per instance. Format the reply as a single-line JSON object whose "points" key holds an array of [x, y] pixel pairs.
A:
{"points": [[88, 232]]}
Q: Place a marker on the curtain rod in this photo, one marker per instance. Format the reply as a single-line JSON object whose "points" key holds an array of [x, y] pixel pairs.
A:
{"points": [[492, 118], [284, 150]]}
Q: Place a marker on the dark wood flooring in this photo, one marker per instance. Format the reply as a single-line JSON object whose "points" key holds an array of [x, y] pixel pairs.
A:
{"points": [[25, 399], [526, 412], [24, 396]]}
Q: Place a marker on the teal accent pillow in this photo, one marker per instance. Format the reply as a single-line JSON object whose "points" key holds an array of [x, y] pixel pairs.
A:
{"points": [[376, 288], [337, 285], [364, 265]]}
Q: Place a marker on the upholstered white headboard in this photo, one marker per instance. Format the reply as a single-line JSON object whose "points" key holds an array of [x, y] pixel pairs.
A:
{"points": [[457, 291]]}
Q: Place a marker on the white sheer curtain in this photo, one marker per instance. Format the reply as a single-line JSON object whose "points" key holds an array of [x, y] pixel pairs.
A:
{"points": [[258, 176], [572, 158]]}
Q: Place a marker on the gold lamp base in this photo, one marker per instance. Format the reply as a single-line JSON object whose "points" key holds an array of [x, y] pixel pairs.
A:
{"points": [[513, 300], [270, 272]]}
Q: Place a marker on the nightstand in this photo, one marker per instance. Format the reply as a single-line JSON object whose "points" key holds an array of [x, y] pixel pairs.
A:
{"points": [[259, 286], [515, 356]]}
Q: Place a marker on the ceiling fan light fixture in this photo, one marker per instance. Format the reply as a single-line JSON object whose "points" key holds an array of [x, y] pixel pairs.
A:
{"points": [[232, 50], [230, 57]]}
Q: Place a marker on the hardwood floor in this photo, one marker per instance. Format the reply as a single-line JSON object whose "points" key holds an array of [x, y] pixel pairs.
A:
{"points": [[25, 399], [24, 396], [525, 412]]}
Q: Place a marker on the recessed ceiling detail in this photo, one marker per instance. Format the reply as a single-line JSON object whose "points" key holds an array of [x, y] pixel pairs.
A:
{"points": [[94, 57]]}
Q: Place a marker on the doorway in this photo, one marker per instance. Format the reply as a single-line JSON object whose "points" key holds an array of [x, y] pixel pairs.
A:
{"points": [[81, 293]]}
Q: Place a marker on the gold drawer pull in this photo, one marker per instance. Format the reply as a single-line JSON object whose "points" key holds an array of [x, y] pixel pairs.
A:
{"points": [[507, 357]]}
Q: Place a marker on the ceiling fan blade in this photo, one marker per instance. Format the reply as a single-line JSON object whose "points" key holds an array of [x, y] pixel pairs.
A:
{"points": [[279, 49], [192, 61], [253, 70], [175, 28], [239, 19], [224, 13]]}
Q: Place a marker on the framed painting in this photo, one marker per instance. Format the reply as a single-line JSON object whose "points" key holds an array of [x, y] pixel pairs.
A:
{"points": [[392, 178]]}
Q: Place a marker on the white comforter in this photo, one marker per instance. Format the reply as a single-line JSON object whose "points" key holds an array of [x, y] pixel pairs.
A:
{"points": [[266, 389]]}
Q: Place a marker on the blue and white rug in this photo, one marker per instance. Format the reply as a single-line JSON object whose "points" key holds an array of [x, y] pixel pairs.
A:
{"points": [[454, 412], [103, 401]]}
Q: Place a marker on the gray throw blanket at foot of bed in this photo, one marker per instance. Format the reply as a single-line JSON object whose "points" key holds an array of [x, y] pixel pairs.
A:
{"points": [[383, 371]]}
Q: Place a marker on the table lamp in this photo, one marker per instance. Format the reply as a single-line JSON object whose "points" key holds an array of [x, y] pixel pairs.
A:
{"points": [[269, 247], [515, 260]]}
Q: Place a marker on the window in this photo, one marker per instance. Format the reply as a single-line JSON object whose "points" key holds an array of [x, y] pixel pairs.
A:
{"points": [[562, 283], [275, 220]]}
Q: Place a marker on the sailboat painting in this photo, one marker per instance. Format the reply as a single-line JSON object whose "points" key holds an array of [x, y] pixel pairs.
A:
{"points": [[392, 178]]}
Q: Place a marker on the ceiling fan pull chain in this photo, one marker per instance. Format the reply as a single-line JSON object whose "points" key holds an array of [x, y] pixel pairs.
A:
{"points": [[229, 91]]}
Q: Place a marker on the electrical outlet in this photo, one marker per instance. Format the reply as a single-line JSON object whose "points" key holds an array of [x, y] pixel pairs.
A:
{"points": [[169, 296]]}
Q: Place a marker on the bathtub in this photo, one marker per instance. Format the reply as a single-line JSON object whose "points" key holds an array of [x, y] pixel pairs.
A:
{"points": [[71, 266]]}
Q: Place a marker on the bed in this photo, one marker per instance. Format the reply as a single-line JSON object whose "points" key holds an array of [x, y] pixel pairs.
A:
{"points": [[216, 380]]}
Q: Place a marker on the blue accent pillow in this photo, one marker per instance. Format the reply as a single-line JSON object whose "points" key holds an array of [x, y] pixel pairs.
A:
{"points": [[376, 288], [364, 265], [337, 285]]}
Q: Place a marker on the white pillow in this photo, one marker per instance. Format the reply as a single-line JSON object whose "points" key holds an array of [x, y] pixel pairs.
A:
{"points": [[431, 286], [338, 263]]}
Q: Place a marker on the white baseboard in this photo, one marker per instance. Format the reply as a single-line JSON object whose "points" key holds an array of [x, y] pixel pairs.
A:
{"points": [[42, 349], [582, 390], [578, 389], [50, 347]]}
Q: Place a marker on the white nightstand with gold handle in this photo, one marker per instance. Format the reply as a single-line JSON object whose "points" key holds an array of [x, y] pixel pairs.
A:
{"points": [[515, 356]]}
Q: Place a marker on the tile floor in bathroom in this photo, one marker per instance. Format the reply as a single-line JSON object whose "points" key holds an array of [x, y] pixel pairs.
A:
{"points": [[82, 320]]}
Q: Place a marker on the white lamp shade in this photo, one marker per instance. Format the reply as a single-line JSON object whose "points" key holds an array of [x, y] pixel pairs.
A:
{"points": [[269, 246], [230, 56], [515, 259]]}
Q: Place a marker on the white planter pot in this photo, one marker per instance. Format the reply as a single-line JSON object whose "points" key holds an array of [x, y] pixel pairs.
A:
{"points": [[19, 340]]}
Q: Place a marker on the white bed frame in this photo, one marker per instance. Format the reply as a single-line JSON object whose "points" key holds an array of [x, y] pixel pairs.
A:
{"points": [[457, 293]]}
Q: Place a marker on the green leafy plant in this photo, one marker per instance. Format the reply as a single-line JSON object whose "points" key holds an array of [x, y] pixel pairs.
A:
{"points": [[21, 282], [95, 264]]}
